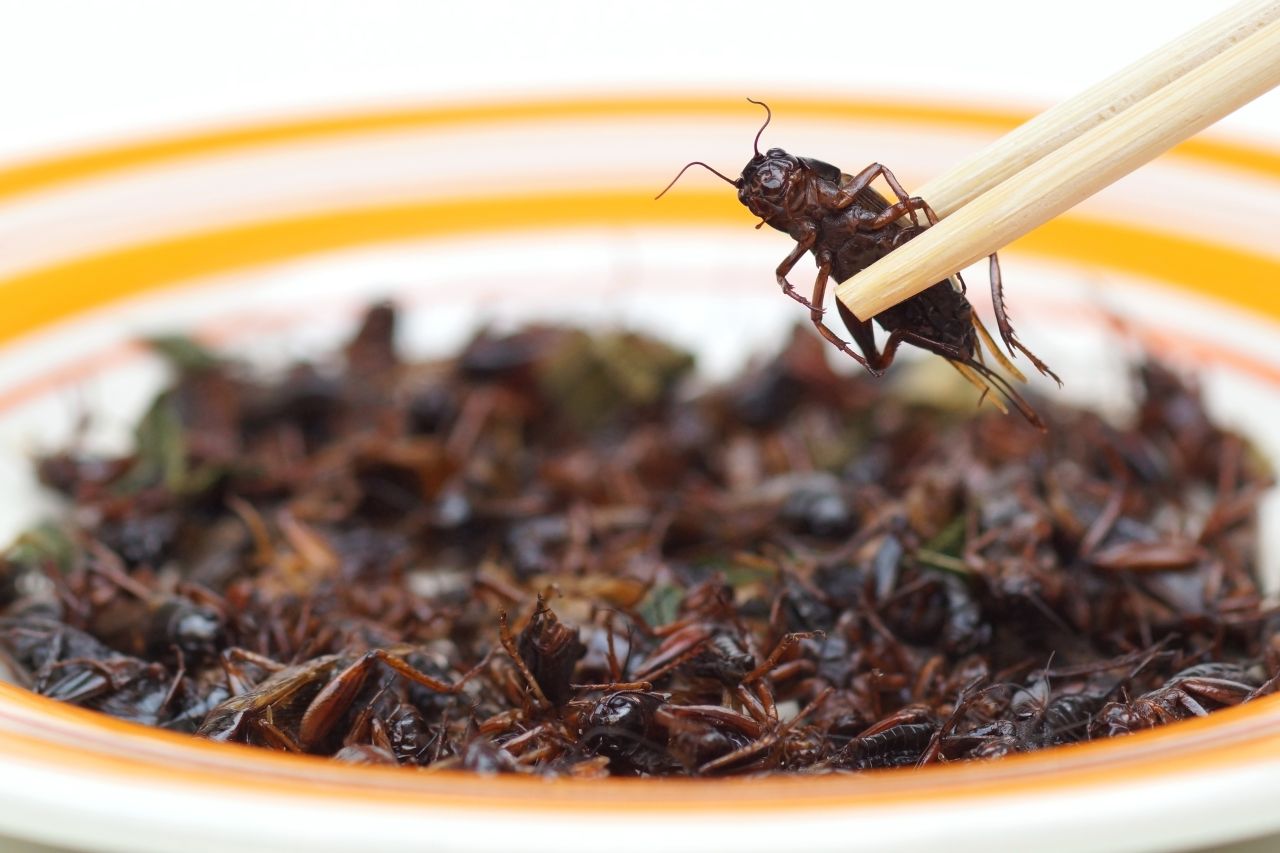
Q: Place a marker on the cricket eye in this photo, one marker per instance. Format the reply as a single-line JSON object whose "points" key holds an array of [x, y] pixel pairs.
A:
{"points": [[771, 178]]}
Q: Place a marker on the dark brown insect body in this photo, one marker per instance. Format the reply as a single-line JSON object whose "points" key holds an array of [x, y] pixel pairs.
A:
{"points": [[1190, 693], [847, 226], [298, 706]]}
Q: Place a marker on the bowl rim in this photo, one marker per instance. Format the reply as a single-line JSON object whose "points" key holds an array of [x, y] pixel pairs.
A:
{"points": [[83, 741], [40, 172]]}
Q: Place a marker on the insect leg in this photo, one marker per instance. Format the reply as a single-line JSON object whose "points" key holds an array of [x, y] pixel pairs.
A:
{"points": [[1006, 327], [894, 212], [764, 743], [276, 737], [237, 681], [1182, 699], [864, 336], [863, 179], [881, 359], [418, 677], [815, 314], [956, 355], [788, 263], [783, 646]]}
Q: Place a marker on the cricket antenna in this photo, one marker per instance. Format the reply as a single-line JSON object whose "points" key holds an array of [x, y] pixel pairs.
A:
{"points": [[768, 117], [682, 171]]}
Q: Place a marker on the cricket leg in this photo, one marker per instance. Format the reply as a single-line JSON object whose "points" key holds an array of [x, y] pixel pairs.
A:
{"points": [[788, 263], [1005, 327], [815, 314], [863, 179], [894, 212], [899, 337], [865, 337], [959, 358]]}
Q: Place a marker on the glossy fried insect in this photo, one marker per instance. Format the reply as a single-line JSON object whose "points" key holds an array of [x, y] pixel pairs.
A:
{"points": [[1065, 718], [622, 725], [299, 706], [1190, 693], [68, 665], [898, 740], [550, 650], [847, 225]]}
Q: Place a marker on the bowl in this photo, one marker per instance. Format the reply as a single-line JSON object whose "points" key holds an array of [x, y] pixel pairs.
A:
{"points": [[268, 239]]}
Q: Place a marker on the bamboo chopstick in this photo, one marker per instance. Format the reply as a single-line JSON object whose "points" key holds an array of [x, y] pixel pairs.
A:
{"points": [[1060, 124], [1072, 173]]}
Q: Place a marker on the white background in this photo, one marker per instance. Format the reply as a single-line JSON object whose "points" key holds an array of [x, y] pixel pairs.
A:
{"points": [[77, 73]]}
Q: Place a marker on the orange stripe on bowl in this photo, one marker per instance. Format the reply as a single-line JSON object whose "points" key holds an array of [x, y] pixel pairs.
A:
{"points": [[93, 743], [1232, 275], [43, 173]]}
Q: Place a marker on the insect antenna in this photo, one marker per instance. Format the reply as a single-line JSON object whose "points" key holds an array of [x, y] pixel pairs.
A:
{"points": [[695, 163], [768, 117]]}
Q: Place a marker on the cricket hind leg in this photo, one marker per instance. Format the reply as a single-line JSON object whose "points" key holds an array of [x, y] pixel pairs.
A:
{"points": [[880, 360], [903, 207], [906, 206], [894, 212], [877, 361], [1004, 325]]}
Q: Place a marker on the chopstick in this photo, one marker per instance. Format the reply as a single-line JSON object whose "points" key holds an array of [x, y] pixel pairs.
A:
{"points": [[1065, 176], [1058, 125]]}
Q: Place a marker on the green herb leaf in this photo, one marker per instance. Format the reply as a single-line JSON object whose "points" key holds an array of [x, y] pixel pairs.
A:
{"points": [[183, 353], [949, 540], [160, 458], [661, 605], [47, 542]]}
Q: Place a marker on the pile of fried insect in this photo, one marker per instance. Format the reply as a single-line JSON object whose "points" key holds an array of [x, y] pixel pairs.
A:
{"points": [[557, 552]]}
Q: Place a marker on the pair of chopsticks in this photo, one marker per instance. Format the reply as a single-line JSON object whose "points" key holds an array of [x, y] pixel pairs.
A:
{"points": [[1072, 151]]}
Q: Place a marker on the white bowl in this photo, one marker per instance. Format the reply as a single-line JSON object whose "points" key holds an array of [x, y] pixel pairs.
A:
{"points": [[267, 240]]}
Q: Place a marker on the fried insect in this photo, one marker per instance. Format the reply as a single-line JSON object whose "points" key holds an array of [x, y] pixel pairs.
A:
{"points": [[550, 650], [847, 225], [1190, 693], [298, 707], [623, 727]]}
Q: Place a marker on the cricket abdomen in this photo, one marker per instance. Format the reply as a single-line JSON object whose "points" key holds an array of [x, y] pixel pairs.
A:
{"points": [[941, 313]]}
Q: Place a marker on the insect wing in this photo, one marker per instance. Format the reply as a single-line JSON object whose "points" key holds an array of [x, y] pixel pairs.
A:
{"points": [[825, 171]]}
